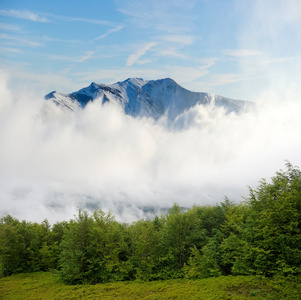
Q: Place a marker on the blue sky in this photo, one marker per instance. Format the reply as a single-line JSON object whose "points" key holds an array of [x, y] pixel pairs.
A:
{"points": [[233, 48]]}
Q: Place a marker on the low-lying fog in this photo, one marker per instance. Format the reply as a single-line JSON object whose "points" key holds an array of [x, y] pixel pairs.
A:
{"points": [[100, 158]]}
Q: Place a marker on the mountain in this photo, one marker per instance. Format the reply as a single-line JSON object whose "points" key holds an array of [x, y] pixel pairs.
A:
{"points": [[139, 97]]}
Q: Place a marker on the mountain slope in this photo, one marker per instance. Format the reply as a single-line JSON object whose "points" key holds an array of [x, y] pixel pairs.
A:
{"points": [[142, 98]]}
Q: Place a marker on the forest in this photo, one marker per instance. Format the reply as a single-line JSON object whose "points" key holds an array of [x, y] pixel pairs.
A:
{"points": [[259, 236]]}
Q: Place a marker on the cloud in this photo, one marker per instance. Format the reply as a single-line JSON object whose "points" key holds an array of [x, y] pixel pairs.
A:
{"points": [[226, 78], [273, 31], [235, 82], [133, 58], [207, 62], [85, 20], [191, 73], [180, 74], [33, 83], [279, 60], [241, 52], [10, 50], [47, 38], [80, 19], [172, 45], [178, 39], [27, 15], [171, 17], [109, 32], [87, 56], [9, 27], [20, 41], [103, 159], [112, 75], [31, 16], [171, 52]]}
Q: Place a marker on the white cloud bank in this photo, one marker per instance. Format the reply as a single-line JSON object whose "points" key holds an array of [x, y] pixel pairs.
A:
{"points": [[102, 158]]}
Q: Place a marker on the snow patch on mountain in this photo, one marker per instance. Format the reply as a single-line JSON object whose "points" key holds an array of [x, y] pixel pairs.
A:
{"points": [[141, 98]]}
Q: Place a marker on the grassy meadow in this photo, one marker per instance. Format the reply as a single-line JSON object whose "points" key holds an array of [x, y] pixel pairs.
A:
{"points": [[46, 285]]}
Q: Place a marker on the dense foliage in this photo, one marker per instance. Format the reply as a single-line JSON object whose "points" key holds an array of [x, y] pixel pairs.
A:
{"points": [[260, 236]]}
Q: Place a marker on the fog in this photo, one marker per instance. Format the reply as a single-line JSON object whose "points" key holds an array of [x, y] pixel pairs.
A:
{"points": [[101, 158], [52, 162]]}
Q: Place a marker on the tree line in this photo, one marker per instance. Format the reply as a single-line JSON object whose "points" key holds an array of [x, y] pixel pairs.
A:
{"points": [[261, 235]]}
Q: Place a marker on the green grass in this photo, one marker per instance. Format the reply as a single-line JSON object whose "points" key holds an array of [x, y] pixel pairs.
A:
{"points": [[48, 286]]}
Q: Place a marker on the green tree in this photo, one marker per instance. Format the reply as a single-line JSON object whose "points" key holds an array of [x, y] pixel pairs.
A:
{"points": [[181, 232], [206, 262], [145, 248], [236, 256], [74, 257], [275, 222], [9, 246], [53, 247], [107, 250]]}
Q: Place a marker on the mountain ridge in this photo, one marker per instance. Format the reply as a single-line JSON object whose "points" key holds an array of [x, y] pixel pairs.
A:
{"points": [[146, 98]]}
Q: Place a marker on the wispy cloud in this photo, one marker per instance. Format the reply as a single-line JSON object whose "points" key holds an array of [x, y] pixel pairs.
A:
{"points": [[172, 45], [78, 19], [278, 60], [216, 80], [27, 15], [133, 58], [240, 52], [178, 39], [21, 41], [112, 75], [80, 59], [38, 83], [9, 27], [109, 32], [10, 50], [169, 16], [223, 79], [87, 56], [207, 62], [171, 52], [47, 17], [180, 74], [190, 73], [47, 38]]}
